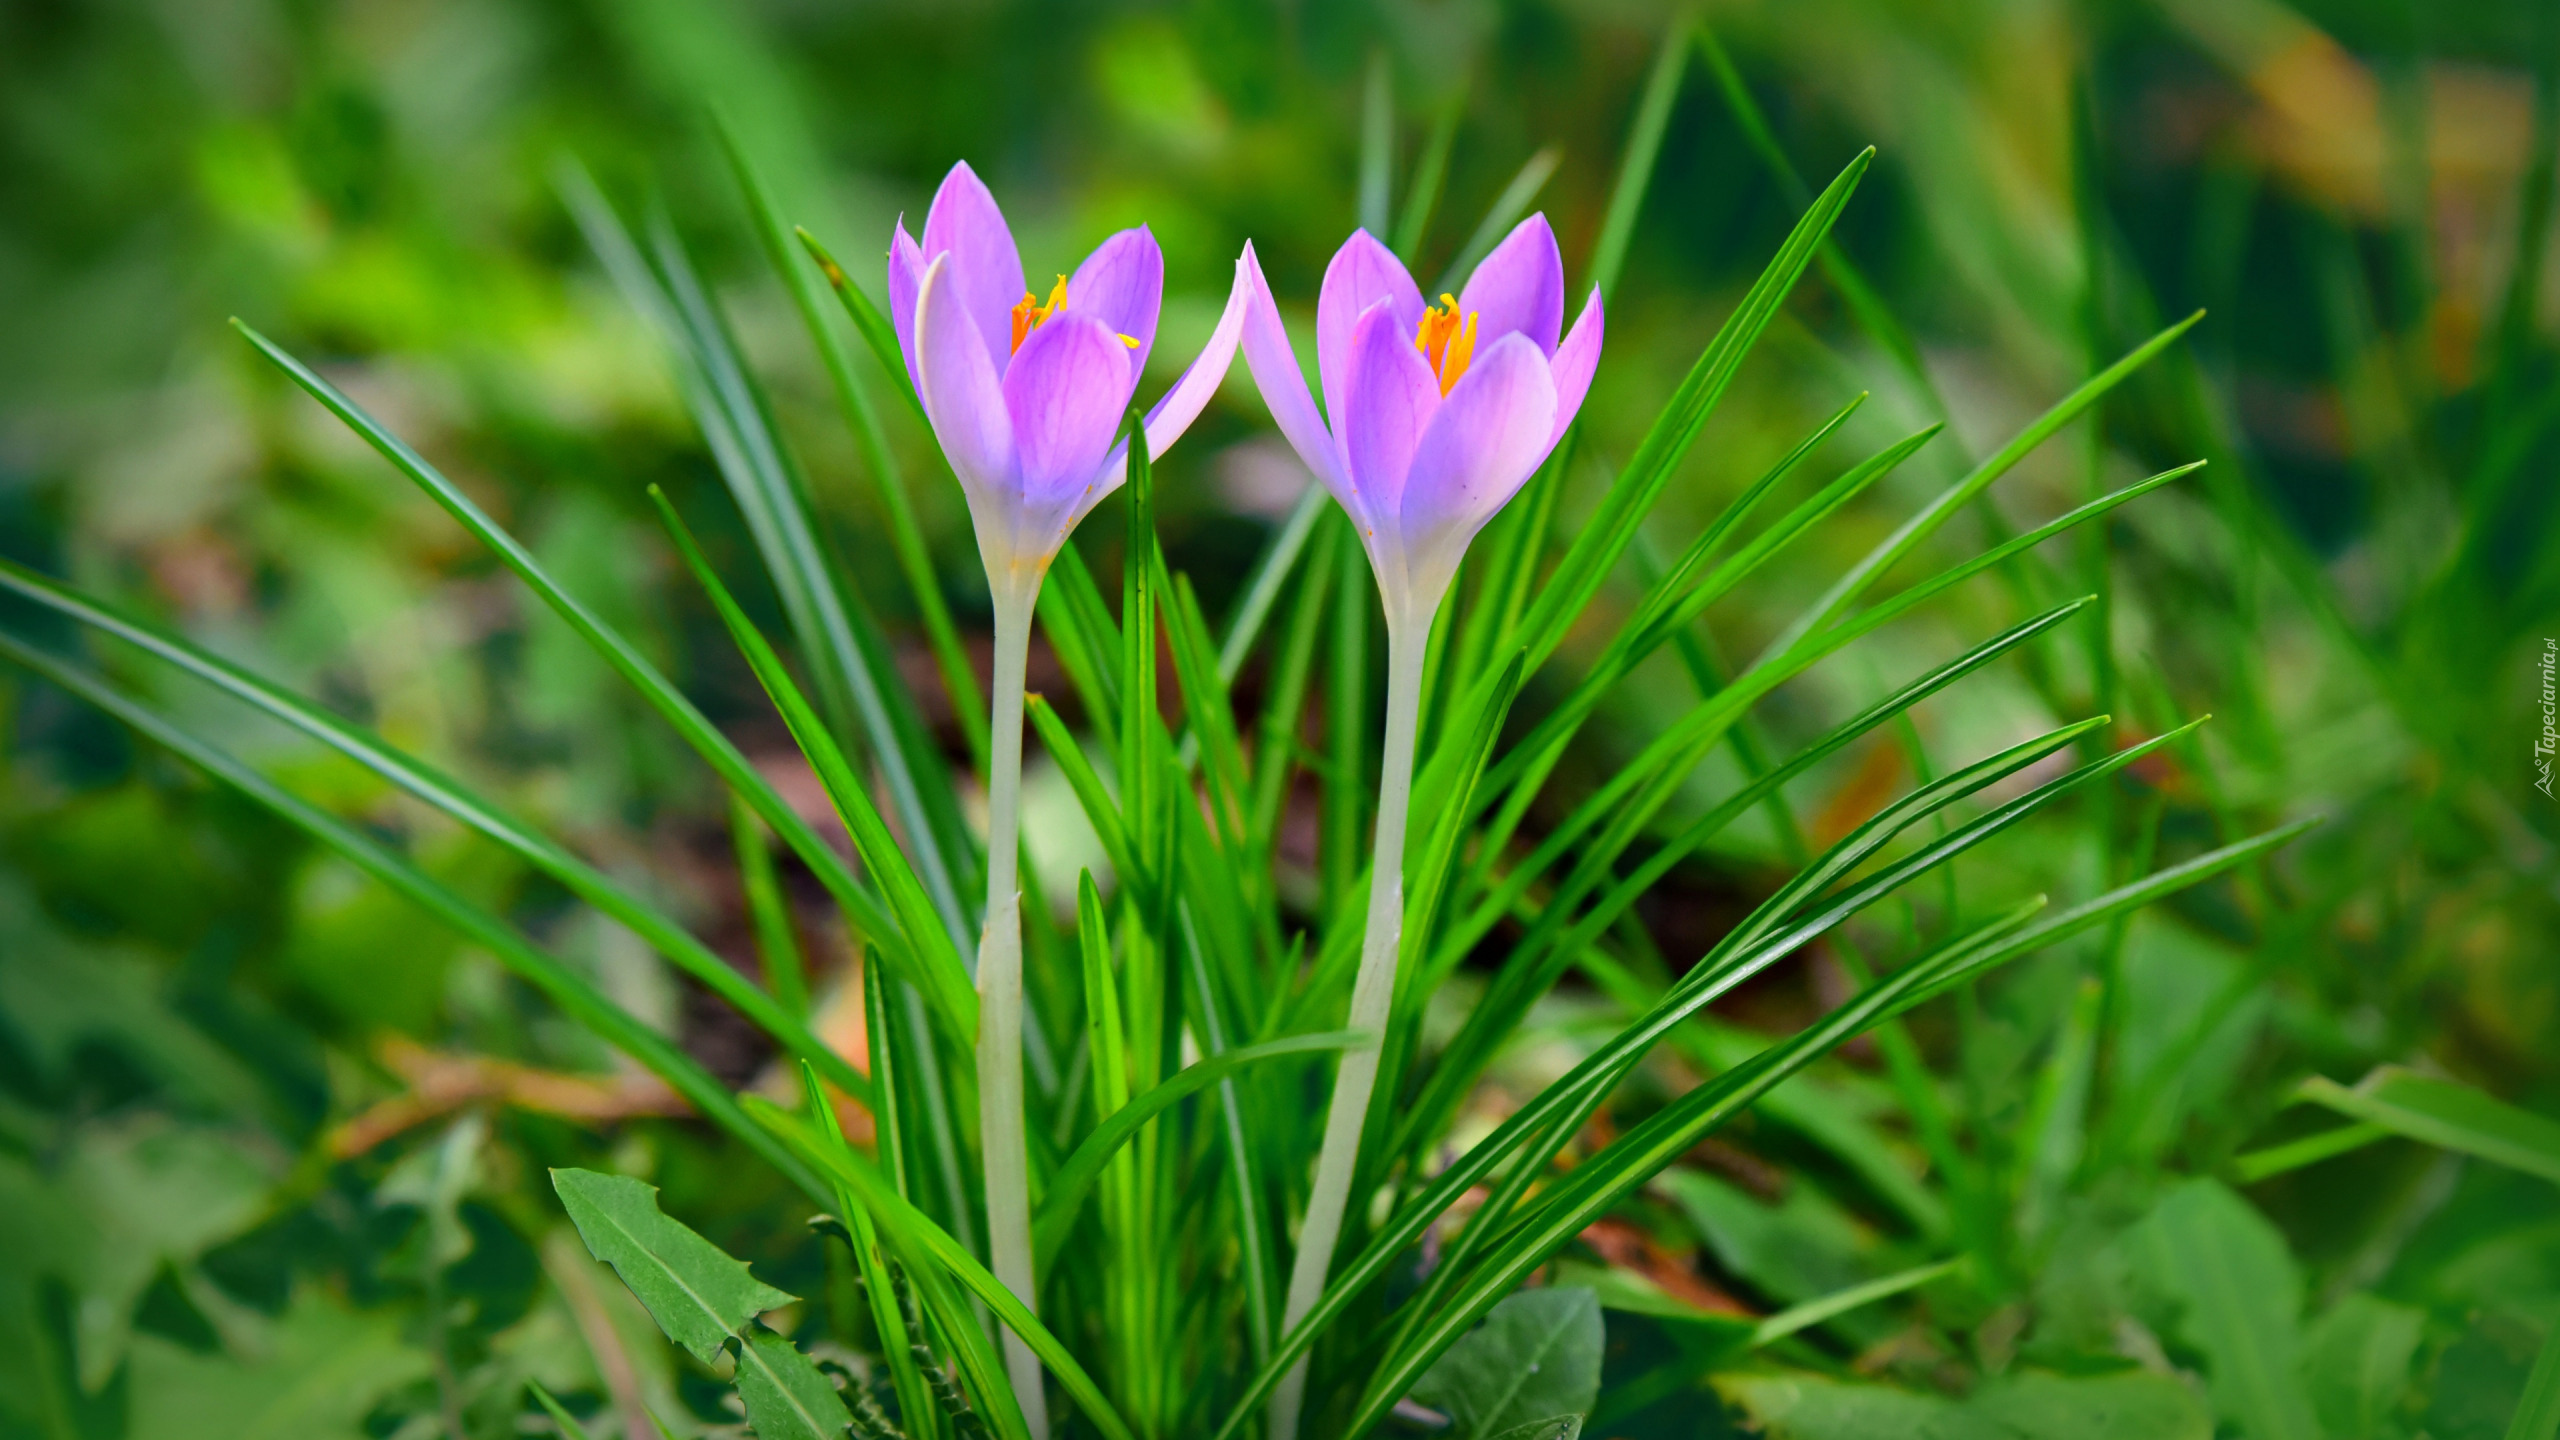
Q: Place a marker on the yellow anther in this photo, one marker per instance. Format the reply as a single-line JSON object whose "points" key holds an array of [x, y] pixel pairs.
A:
{"points": [[1030, 312], [1446, 340]]}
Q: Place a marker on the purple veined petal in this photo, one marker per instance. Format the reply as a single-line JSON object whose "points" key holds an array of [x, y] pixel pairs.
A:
{"points": [[1390, 397], [1274, 363], [1121, 284], [1065, 393], [958, 385], [1363, 272], [906, 276], [965, 223], [1574, 361], [1519, 288], [1200, 380], [1488, 437]]}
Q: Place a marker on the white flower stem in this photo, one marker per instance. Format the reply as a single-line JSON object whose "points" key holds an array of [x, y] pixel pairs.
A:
{"points": [[1371, 996], [1000, 1119]]}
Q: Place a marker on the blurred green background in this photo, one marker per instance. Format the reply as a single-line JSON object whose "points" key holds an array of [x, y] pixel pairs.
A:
{"points": [[270, 1142]]}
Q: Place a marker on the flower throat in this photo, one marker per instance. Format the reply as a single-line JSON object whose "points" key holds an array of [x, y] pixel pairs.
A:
{"points": [[1446, 341]]}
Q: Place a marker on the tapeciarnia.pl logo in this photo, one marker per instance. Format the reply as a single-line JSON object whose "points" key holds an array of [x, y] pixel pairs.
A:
{"points": [[2550, 737]]}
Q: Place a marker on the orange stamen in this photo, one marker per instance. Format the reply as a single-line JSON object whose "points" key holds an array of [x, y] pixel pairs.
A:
{"points": [[1447, 341], [1031, 312]]}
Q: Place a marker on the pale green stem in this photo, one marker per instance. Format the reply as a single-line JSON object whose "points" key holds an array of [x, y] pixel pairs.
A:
{"points": [[1000, 1118], [1371, 995]]}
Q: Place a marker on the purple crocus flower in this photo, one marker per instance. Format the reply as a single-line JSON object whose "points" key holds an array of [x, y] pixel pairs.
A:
{"points": [[1026, 393], [1438, 414], [1027, 396], [1434, 414]]}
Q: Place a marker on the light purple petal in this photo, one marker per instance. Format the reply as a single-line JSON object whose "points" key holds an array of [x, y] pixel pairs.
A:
{"points": [[1519, 288], [1392, 396], [958, 385], [1066, 393], [1121, 284], [1487, 438], [1363, 273], [906, 275], [1200, 380], [1574, 361], [1274, 363], [987, 270]]}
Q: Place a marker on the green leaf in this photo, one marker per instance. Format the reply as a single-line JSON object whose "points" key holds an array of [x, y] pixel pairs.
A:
{"points": [[1535, 1357], [787, 1398], [698, 1295], [2357, 1362], [1644, 143], [2238, 1296], [2129, 1405], [2445, 1113]]}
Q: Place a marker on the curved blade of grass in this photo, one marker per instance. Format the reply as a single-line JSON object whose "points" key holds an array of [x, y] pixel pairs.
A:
{"points": [[457, 800], [572, 992], [920, 939], [1947, 502], [1505, 212], [786, 973], [855, 678], [878, 335], [1262, 586], [2446, 1114], [1059, 1207], [2101, 909], [914, 1397], [687, 721], [1778, 927], [1813, 1312], [906, 539], [916, 1233], [1609, 1176], [1644, 146], [570, 1429], [1443, 1094], [1422, 196]]}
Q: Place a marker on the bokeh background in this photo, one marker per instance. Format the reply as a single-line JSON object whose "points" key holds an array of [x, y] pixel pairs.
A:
{"points": [[271, 1142]]}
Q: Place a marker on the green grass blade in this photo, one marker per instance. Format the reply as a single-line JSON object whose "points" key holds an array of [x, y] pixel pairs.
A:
{"points": [[2538, 1413], [786, 973], [2257, 1165], [2446, 1114], [878, 335], [914, 1396], [571, 991], [1644, 146], [2104, 908], [1505, 212], [1262, 584], [854, 676], [570, 1429], [783, 1022], [918, 942], [1430, 172], [1955, 497], [1059, 1207], [1100, 810], [906, 539], [914, 1232], [1609, 1176], [1255, 1252], [680, 713], [1802, 1317]]}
